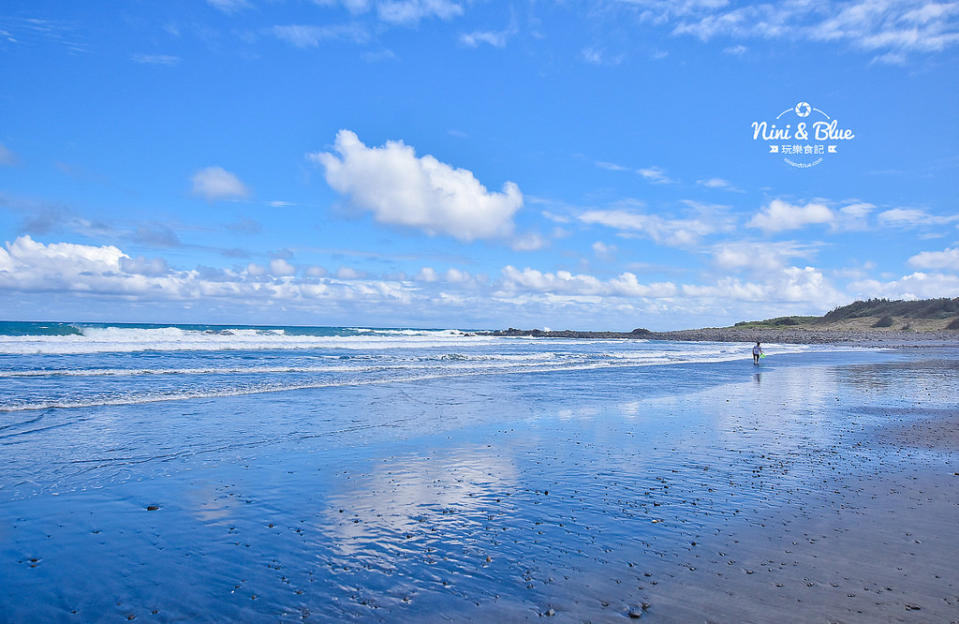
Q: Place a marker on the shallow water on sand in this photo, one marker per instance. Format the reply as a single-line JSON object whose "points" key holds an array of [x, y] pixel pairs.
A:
{"points": [[500, 494]]}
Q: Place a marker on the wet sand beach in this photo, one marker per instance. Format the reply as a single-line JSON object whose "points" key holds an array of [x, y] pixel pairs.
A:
{"points": [[817, 487]]}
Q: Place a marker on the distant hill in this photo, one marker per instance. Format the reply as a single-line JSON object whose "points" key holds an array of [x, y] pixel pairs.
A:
{"points": [[874, 314], [876, 321]]}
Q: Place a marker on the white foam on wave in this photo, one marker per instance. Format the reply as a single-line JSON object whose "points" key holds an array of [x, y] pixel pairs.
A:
{"points": [[129, 340], [448, 370]]}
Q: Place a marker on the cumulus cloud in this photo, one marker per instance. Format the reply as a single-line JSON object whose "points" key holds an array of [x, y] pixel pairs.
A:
{"points": [[787, 285], [399, 188], [780, 215], [566, 283], [677, 232], [215, 183], [456, 276], [349, 273], [144, 266], [30, 266], [280, 267], [754, 256], [918, 285], [946, 259]]}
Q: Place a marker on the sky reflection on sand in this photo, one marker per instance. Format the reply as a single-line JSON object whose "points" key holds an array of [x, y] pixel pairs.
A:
{"points": [[400, 494], [483, 498]]}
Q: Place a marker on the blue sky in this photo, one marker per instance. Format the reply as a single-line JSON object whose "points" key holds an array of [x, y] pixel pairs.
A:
{"points": [[447, 163]]}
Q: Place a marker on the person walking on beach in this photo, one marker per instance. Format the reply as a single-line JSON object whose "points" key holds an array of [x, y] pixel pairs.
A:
{"points": [[757, 351]]}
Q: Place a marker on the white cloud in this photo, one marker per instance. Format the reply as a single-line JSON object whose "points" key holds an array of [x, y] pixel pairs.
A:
{"points": [[456, 276], [599, 56], [215, 183], [531, 241], [736, 50], [144, 266], [718, 183], [556, 218], [912, 217], [409, 12], [610, 166], [677, 232], [30, 266], [280, 267], [890, 28], [427, 274], [787, 285], [400, 12], [156, 59], [946, 259], [853, 216], [756, 257], [229, 6], [566, 283], [780, 215], [7, 157], [402, 189], [656, 175], [603, 251], [353, 6], [349, 273], [495, 38], [917, 285], [305, 36]]}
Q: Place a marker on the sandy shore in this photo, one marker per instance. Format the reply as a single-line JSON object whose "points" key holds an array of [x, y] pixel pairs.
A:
{"points": [[880, 547], [817, 487]]}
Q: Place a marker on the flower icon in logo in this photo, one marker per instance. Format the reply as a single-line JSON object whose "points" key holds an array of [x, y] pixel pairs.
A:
{"points": [[803, 109]]}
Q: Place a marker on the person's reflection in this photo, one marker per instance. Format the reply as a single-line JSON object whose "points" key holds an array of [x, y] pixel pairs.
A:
{"points": [[758, 377]]}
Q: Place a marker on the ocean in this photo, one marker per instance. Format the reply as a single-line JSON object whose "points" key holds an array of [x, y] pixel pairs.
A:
{"points": [[259, 474], [73, 365]]}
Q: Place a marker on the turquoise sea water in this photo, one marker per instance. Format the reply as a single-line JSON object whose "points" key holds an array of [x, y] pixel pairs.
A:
{"points": [[198, 473]]}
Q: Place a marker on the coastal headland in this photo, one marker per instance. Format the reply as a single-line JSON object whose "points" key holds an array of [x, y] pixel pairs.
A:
{"points": [[876, 321]]}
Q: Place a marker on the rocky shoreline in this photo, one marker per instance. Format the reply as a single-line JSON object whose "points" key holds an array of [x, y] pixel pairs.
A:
{"points": [[735, 334]]}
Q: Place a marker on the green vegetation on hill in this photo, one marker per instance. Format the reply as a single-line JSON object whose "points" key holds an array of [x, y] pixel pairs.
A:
{"points": [[923, 309], [923, 315], [781, 321]]}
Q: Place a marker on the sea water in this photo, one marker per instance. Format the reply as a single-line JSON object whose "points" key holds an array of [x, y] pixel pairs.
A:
{"points": [[212, 473], [59, 365]]}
